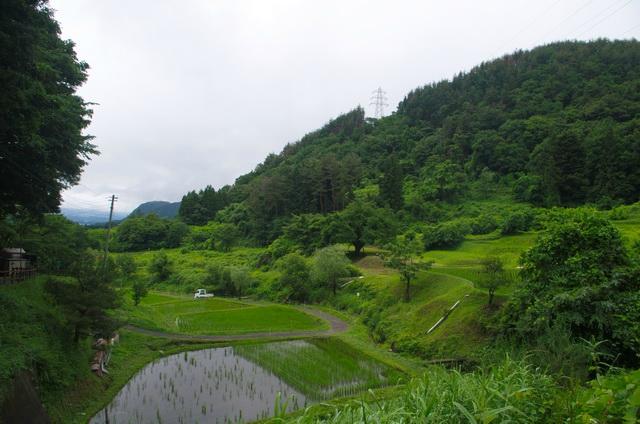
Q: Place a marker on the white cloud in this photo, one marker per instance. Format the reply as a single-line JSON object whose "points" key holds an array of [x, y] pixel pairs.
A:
{"points": [[198, 92]]}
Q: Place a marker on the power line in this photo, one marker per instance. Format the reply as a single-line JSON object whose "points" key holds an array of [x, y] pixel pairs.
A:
{"points": [[605, 18], [630, 30], [529, 25], [593, 18], [379, 100], [566, 19]]}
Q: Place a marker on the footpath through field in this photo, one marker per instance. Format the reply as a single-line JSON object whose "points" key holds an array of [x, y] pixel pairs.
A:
{"points": [[337, 326]]}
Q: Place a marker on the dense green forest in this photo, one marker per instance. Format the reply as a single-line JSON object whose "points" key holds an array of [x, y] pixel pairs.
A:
{"points": [[554, 126], [512, 190]]}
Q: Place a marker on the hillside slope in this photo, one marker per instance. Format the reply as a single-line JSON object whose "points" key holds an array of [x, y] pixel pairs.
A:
{"points": [[161, 208], [557, 125]]}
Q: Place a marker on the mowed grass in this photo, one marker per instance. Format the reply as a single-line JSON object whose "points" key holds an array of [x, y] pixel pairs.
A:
{"points": [[217, 316]]}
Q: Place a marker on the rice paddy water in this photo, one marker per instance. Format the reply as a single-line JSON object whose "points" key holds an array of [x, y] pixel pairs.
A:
{"points": [[242, 383]]}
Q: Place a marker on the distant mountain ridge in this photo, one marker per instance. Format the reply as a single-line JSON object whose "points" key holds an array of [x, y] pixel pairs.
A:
{"points": [[161, 208], [90, 216]]}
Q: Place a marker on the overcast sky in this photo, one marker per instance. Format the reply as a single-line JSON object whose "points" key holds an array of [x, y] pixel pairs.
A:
{"points": [[198, 92]]}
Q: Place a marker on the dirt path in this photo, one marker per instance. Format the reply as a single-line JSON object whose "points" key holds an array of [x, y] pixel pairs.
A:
{"points": [[337, 326]]}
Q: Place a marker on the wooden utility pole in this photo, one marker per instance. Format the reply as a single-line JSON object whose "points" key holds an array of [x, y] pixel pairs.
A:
{"points": [[112, 199]]}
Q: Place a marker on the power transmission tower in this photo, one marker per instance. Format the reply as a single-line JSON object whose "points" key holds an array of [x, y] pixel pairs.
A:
{"points": [[379, 100], [112, 199]]}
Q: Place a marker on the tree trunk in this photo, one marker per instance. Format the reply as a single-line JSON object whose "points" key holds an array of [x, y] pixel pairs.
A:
{"points": [[334, 287], [407, 292], [491, 293], [357, 247], [76, 333]]}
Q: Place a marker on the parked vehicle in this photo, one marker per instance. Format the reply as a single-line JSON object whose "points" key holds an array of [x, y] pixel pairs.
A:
{"points": [[202, 294]]}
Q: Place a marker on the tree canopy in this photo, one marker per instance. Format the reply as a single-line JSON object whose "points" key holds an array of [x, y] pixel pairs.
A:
{"points": [[43, 148], [579, 275]]}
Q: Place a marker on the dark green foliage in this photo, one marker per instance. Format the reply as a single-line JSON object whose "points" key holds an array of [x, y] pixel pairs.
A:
{"points": [[56, 242], [85, 298], [139, 290], [224, 236], [565, 112], [308, 232], [391, 183], [294, 282], [43, 149], [127, 265], [150, 232], [445, 235], [34, 336], [484, 224], [361, 223], [518, 221], [160, 208], [529, 188], [611, 398], [198, 208], [578, 274], [160, 267]]}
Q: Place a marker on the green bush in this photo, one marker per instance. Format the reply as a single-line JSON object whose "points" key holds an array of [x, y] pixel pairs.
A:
{"points": [[484, 224], [295, 281], [613, 398], [518, 221], [445, 235]]}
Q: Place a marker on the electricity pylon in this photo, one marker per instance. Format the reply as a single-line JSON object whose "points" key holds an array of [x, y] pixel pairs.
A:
{"points": [[379, 100]]}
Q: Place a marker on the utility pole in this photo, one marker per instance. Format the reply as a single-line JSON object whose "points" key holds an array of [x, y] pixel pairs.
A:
{"points": [[379, 100], [112, 199]]}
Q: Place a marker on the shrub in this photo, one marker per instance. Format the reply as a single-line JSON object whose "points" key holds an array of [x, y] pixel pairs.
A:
{"points": [[614, 398], [445, 235], [518, 221], [484, 224], [160, 267], [139, 291], [579, 274], [294, 282], [126, 264]]}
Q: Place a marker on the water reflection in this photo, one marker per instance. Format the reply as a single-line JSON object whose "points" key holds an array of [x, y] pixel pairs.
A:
{"points": [[206, 386]]}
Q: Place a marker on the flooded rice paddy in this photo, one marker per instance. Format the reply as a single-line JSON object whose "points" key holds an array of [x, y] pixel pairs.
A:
{"points": [[242, 383]]}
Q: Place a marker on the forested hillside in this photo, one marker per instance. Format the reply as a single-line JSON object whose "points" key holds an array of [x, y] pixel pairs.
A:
{"points": [[158, 207], [557, 125]]}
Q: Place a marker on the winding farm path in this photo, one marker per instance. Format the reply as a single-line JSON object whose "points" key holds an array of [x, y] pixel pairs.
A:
{"points": [[337, 326]]}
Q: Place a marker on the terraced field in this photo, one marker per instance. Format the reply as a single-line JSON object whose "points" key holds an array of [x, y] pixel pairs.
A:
{"points": [[217, 316]]}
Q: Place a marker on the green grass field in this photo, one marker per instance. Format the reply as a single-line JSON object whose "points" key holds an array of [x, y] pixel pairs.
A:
{"points": [[217, 316], [471, 251]]}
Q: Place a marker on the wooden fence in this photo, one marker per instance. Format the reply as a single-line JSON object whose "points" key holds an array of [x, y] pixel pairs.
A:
{"points": [[17, 275]]}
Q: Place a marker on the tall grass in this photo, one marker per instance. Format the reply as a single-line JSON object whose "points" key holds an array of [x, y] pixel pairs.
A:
{"points": [[509, 392]]}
